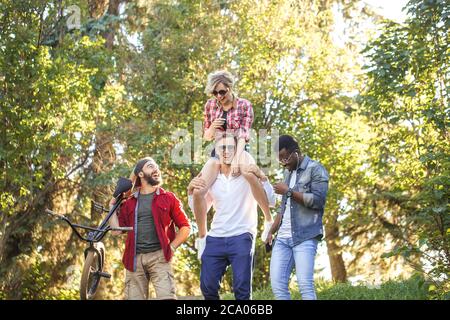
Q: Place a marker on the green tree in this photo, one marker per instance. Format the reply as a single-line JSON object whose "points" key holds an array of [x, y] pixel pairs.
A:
{"points": [[50, 78], [407, 98]]}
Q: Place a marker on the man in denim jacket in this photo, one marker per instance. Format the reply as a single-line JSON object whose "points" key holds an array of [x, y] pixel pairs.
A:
{"points": [[299, 220]]}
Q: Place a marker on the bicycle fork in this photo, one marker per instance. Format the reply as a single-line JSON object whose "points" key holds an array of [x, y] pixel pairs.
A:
{"points": [[99, 248]]}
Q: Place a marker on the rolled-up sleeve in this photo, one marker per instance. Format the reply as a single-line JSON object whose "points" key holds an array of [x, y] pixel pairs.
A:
{"points": [[246, 121], [207, 116], [178, 215], [271, 196], [319, 188]]}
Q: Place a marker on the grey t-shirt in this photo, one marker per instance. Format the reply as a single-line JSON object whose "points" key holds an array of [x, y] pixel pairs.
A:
{"points": [[147, 238]]}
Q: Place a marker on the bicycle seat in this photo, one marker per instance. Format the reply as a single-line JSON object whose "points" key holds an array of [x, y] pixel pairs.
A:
{"points": [[123, 185]]}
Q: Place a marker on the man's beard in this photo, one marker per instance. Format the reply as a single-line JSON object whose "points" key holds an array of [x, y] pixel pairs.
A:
{"points": [[151, 181]]}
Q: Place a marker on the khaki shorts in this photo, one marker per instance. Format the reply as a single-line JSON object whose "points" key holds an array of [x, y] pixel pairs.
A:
{"points": [[152, 267]]}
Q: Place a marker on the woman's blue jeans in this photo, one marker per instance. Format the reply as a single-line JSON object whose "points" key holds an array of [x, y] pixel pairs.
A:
{"points": [[284, 257]]}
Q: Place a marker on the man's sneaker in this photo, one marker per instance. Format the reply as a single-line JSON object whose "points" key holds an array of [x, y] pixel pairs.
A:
{"points": [[265, 233]]}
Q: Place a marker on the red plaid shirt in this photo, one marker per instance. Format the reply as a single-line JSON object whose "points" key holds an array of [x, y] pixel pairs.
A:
{"points": [[239, 118]]}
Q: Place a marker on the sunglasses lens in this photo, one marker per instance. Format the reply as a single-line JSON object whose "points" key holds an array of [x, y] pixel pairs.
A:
{"points": [[221, 92]]}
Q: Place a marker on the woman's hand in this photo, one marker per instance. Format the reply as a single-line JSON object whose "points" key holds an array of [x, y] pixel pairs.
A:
{"points": [[217, 123], [253, 168], [235, 170], [211, 131]]}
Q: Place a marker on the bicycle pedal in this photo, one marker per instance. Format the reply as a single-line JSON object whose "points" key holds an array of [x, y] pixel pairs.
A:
{"points": [[104, 274]]}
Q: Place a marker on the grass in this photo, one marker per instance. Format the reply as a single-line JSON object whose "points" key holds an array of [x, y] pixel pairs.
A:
{"points": [[414, 288]]}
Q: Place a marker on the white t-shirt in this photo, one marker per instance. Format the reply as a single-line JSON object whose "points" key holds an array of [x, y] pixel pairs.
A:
{"points": [[236, 208], [285, 229]]}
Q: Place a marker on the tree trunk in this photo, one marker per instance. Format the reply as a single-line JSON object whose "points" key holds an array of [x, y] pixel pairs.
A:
{"points": [[104, 154], [338, 270]]}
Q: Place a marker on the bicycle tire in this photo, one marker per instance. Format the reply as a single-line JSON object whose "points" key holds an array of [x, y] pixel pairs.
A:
{"points": [[89, 280]]}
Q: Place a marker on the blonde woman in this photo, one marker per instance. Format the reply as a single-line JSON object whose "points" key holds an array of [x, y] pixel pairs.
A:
{"points": [[225, 111]]}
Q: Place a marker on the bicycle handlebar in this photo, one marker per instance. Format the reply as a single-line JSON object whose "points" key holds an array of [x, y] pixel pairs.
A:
{"points": [[121, 229], [96, 234]]}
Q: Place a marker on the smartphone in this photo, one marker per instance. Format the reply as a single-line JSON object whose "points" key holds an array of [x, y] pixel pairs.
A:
{"points": [[224, 117]]}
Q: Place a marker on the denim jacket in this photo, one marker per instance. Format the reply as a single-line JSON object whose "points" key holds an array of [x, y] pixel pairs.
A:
{"points": [[312, 181]]}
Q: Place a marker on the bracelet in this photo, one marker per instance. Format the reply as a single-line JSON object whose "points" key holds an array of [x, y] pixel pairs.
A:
{"points": [[172, 247]]}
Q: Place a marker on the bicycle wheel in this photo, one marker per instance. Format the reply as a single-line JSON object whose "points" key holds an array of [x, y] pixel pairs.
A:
{"points": [[90, 278]]}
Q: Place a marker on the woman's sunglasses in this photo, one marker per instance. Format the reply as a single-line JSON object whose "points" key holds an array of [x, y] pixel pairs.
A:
{"points": [[221, 92]]}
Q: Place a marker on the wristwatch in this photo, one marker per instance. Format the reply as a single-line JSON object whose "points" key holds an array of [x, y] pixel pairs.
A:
{"points": [[289, 192]]}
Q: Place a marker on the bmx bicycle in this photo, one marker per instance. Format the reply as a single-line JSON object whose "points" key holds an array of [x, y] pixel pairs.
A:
{"points": [[95, 253]]}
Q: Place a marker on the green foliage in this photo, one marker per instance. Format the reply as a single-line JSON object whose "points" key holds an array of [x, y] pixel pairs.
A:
{"points": [[407, 98], [66, 94], [53, 101], [35, 283], [414, 288]]}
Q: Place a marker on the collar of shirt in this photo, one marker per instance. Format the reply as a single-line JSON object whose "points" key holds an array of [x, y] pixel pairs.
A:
{"points": [[302, 166], [158, 191], [222, 176]]}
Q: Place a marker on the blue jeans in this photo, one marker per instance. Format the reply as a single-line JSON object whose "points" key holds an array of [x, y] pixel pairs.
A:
{"points": [[284, 256], [221, 252]]}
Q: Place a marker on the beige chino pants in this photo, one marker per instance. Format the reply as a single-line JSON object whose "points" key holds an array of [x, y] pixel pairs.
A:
{"points": [[150, 267]]}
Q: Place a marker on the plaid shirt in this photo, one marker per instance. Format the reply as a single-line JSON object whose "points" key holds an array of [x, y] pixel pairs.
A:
{"points": [[239, 118]]}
